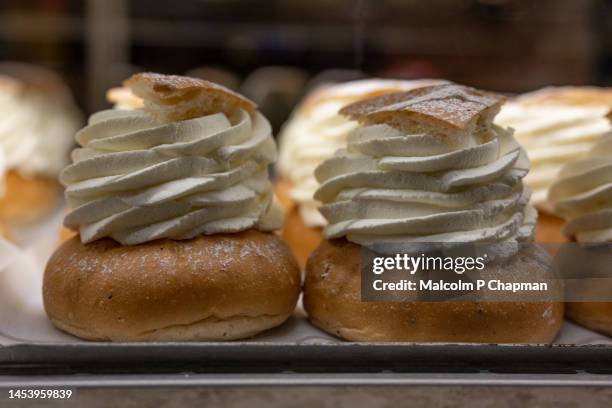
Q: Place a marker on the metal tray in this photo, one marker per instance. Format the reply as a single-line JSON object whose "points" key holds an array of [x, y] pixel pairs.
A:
{"points": [[278, 357], [278, 364], [297, 347], [298, 353]]}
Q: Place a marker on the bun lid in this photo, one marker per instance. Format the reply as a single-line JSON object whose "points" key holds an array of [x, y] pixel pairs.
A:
{"points": [[173, 97], [449, 107], [362, 89]]}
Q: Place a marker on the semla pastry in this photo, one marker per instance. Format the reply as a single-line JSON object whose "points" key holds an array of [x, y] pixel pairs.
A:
{"points": [[555, 125], [312, 134], [176, 221], [37, 125], [423, 166], [582, 195]]}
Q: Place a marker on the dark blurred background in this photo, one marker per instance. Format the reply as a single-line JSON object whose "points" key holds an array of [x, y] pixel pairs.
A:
{"points": [[275, 50]]}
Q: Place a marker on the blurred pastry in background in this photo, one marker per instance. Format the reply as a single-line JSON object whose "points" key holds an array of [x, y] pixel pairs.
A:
{"points": [[4, 232], [582, 195], [276, 90], [333, 76], [122, 98], [313, 133], [2, 172], [38, 120], [556, 126], [3, 229]]}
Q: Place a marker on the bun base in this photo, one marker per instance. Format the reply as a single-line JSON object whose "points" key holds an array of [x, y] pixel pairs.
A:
{"points": [[332, 299], [592, 315], [207, 330], [211, 288]]}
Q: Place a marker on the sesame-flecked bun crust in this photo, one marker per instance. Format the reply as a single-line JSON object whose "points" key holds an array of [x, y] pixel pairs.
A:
{"points": [[332, 298], [219, 287], [592, 315]]}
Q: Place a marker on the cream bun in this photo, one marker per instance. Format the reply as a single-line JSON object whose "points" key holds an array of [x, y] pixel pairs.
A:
{"points": [[556, 126], [176, 220], [38, 122], [582, 195], [312, 134], [426, 166]]}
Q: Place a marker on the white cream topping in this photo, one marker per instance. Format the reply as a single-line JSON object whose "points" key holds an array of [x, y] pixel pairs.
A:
{"points": [[36, 129], [583, 194], [135, 179], [316, 131], [306, 141], [553, 135], [388, 189]]}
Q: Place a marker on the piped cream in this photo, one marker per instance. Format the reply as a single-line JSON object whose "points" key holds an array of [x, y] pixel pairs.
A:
{"points": [[135, 179]]}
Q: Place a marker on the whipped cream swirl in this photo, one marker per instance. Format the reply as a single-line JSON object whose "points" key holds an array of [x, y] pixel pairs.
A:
{"points": [[583, 194], [135, 179], [389, 189], [307, 140], [317, 130], [552, 134]]}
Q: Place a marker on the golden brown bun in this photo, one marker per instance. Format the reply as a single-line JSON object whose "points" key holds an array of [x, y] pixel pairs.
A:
{"points": [[592, 315], [28, 198], [332, 298], [549, 232], [448, 106], [282, 189], [301, 239], [173, 97], [550, 229], [67, 233], [219, 287]]}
